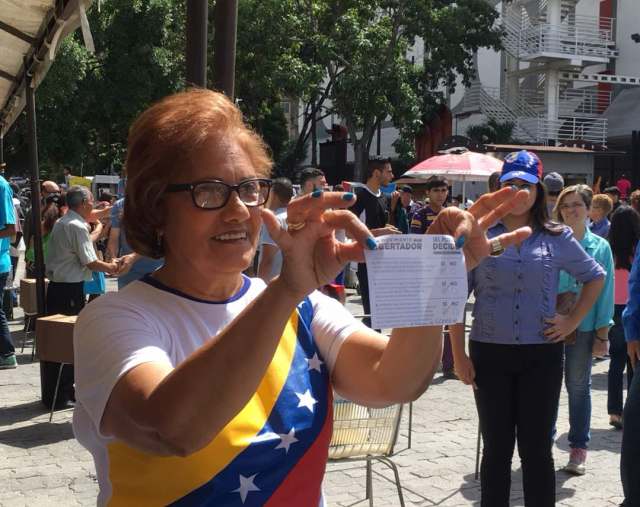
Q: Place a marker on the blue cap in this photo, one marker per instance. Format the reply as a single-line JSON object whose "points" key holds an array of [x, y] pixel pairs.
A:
{"points": [[523, 165]]}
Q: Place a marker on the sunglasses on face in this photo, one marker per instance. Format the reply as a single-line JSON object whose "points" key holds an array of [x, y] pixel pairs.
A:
{"points": [[215, 194], [518, 186]]}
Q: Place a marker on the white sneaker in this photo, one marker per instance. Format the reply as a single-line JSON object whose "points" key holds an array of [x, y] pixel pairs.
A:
{"points": [[577, 460]]}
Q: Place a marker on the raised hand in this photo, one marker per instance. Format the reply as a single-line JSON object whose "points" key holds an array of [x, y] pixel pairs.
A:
{"points": [[472, 225], [311, 254]]}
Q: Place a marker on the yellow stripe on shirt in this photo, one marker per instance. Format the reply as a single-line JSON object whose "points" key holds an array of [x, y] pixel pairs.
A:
{"points": [[142, 479]]}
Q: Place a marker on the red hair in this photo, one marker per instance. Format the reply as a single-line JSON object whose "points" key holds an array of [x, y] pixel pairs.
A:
{"points": [[160, 142]]}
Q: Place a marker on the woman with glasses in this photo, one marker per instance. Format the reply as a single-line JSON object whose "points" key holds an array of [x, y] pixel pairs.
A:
{"points": [[516, 338], [200, 386], [623, 239], [592, 333]]}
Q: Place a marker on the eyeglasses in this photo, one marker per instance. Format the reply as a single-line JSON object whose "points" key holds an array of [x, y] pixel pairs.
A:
{"points": [[575, 205], [214, 194], [515, 186]]}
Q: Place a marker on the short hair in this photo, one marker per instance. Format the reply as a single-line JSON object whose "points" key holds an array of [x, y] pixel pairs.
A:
{"points": [[612, 190], [436, 182], [584, 191], [283, 188], [376, 164], [50, 184], [635, 195], [603, 201], [76, 195], [309, 173], [105, 195], [161, 141], [494, 181]]}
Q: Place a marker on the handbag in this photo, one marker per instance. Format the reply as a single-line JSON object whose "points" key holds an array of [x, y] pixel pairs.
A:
{"points": [[564, 304]]}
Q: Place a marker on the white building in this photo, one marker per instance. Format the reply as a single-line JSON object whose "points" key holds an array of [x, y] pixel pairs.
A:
{"points": [[564, 64]]}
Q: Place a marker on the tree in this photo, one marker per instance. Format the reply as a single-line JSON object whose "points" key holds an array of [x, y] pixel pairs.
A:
{"points": [[277, 60], [492, 132], [87, 102], [374, 79]]}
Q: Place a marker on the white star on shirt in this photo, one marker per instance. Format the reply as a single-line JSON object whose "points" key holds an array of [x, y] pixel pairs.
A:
{"points": [[314, 363], [286, 440], [306, 400], [246, 486]]}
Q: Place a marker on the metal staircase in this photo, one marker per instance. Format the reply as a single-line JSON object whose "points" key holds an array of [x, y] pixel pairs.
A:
{"points": [[549, 109]]}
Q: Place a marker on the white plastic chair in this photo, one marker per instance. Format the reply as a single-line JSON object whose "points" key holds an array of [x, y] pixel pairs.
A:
{"points": [[366, 434]]}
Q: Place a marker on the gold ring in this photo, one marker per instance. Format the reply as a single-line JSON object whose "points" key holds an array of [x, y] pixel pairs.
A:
{"points": [[496, 247], [295, 226]]}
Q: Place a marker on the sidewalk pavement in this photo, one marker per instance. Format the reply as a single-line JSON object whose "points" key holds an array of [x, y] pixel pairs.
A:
{"points": [[42, 465]]}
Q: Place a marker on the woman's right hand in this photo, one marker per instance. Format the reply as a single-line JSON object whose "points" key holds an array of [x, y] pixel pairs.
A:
{"points": [[464, 370], [312, 256]]}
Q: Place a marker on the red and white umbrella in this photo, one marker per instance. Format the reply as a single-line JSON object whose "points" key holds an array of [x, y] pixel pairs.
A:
{"points": [[467, 166]]}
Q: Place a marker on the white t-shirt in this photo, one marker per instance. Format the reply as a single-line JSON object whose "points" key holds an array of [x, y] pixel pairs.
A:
{"points": [[147, 322]]}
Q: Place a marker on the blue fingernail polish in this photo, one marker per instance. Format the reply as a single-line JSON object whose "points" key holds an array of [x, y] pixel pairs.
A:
{"points": [[371, 244], [316, 193], [460, 242], [348, 196]]}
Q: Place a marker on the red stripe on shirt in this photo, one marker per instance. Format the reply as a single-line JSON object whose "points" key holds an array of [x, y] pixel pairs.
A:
{"points": [[303, 485]]}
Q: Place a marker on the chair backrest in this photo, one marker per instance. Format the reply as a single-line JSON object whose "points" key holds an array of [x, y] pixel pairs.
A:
{"points": [[361, 431]]}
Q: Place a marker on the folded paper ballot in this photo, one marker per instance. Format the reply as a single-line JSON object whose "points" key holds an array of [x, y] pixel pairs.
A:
{"points": [[416, 280]]}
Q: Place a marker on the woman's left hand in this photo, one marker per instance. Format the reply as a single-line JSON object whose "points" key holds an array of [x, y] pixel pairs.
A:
{"points": [[472, 225], [559, 328]]}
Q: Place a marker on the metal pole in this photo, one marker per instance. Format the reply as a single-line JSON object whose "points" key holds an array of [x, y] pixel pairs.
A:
{"points": [[197, 18], [224, 55], [35, 195], [1, 146]]}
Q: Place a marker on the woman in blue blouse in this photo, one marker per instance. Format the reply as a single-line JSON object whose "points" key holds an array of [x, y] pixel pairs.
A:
{"points": [[592, 334], [516, 339]]}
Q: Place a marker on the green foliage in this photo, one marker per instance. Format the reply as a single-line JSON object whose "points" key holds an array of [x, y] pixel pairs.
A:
{"points": [[87, 102], [376, 80], [349, 58], [492, 132]]}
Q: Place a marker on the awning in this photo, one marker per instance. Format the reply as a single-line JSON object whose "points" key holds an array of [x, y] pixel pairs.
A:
{"points": [[30, 34], [624, 114]]}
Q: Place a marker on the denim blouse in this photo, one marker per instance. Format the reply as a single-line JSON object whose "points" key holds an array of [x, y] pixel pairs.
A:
{"points": [[516, 291]]}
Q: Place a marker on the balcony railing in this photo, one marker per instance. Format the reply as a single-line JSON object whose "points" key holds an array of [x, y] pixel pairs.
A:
{"points": [[571, 128], [584, 101], [586, 41], [588, 101]]}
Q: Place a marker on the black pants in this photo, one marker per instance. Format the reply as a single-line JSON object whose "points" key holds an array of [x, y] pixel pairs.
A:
{"points": [[619, 360], [517, 398], [67, 299], [363, 282]]}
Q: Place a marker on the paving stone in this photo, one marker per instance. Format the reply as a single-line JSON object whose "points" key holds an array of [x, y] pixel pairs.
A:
{"points": [[41, 464]]}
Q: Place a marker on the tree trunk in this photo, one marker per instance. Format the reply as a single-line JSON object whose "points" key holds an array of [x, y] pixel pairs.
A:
{"points": [[361, 156], [314, 136]]}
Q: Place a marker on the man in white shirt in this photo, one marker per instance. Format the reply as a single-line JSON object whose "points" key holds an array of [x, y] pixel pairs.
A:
{"points": [[70, 260]]}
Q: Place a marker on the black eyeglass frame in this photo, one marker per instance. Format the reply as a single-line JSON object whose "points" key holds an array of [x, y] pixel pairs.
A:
{"points": [[191, 187]]}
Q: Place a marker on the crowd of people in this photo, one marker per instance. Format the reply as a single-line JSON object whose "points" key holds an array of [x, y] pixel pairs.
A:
{"points": [[215, 385]]}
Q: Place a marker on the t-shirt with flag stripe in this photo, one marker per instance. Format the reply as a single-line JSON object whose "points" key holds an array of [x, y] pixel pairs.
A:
{"points": [[273, 452]]}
